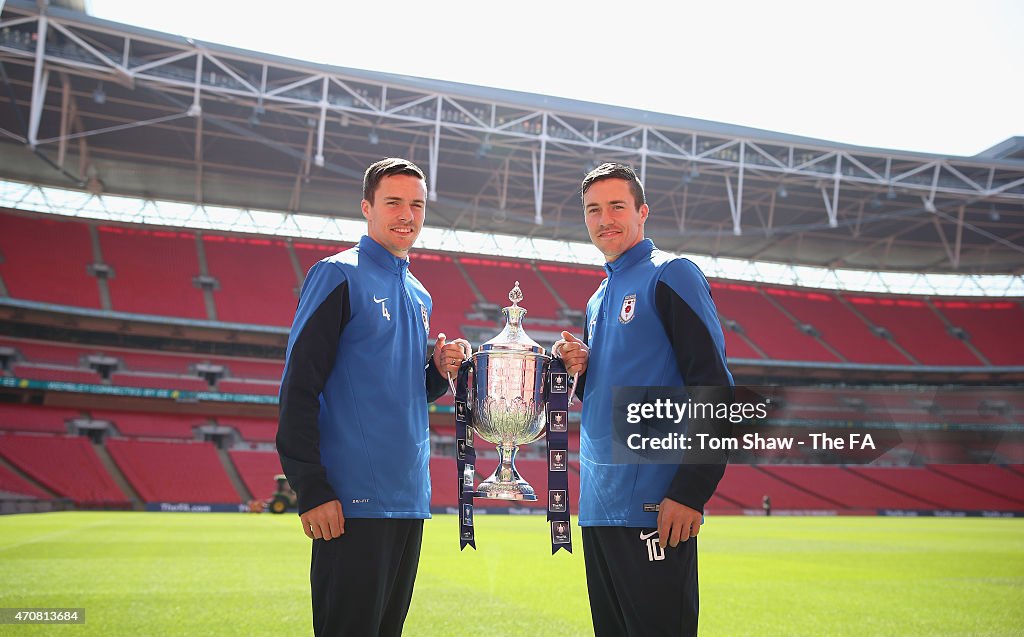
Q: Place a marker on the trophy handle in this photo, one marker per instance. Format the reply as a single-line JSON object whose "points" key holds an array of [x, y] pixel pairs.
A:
{"points": [[557, 349], [469, 388], [468, 351]]}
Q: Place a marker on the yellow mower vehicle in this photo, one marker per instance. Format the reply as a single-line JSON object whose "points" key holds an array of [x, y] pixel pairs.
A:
{"points": [[284, 498]]}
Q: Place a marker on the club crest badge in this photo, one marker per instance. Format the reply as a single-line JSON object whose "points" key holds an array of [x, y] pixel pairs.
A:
{"points": [[559, 421], [556, 501], [426, 318], [628, 310]]}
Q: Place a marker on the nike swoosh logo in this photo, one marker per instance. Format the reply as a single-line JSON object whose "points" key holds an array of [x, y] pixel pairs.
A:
{"points": [[648, 536], [376, 300]]}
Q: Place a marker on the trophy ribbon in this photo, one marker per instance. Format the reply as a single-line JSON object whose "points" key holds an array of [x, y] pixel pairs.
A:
{"points": [[558, 456], [465, 456]]}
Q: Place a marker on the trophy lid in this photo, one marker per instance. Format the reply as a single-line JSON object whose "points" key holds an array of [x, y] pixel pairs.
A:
{"points": [[513, 338]]}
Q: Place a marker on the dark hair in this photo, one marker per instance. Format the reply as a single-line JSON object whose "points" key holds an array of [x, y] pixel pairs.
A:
{"points": [[616, 171], [386, 168]]}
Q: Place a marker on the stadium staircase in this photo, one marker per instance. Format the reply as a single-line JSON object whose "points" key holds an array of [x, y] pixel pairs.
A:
{"points": [[16, 482], [236, 480], [119, 479], [174, 471], [67, 466], [257, 470]]}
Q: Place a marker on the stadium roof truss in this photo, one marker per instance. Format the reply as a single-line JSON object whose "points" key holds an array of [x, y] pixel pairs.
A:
{"points": [[118, 109]]}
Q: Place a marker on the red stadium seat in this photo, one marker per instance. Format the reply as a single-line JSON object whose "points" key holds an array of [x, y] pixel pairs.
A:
{"points": [[309, 253], [575, 284], [68, 251], [916, 327], [67, 466], [450, 293], [149, 425], [935, 489], [988, 324], [153, 272], [257, 281], [496, 277], [173, 471], [12, 483], [746, 485], [839, 327], [36, 418], [444, 486], [257, 470], [764, 324], [252, 429], [844, 487]]}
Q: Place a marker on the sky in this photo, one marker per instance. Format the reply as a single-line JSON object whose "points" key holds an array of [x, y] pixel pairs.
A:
{"points": [[935, 76]]}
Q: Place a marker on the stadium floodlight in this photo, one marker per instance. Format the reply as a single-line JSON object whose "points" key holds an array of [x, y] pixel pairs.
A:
{"points": [[318, 161], [373, 137], [782, 192], [929, 205], [99, 95]]}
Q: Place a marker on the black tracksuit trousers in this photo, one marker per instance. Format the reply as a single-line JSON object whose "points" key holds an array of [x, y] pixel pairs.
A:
{"points": [[362, 581], [636, 588]]}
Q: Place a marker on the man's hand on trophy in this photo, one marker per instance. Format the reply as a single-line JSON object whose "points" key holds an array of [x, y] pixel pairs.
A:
{"points": [[448, 356], [573, 352], [324, 522]]}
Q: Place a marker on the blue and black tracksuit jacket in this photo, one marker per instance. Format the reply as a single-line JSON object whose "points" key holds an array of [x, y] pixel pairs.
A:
{"points": [[651, 322], [353, 404]]}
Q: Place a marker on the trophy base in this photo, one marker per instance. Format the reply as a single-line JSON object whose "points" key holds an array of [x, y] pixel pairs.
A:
{"points": [[491, 489], [506, 483]]}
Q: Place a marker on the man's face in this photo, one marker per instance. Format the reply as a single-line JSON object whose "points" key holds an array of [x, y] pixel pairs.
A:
{"points": [[614, 222], [395, 217]]}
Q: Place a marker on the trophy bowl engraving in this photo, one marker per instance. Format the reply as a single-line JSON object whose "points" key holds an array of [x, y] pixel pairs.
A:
{"points": [[508, 397]]}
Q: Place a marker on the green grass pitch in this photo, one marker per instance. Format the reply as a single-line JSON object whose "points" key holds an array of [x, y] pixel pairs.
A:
{"points": [[238, 574]]}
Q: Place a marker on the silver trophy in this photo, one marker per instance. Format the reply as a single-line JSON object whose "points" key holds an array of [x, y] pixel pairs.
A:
{"points": [[507, 394]]}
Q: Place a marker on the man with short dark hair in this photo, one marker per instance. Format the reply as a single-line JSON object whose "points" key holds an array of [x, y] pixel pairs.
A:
{"points": [[650, 323], [353, 434]]}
